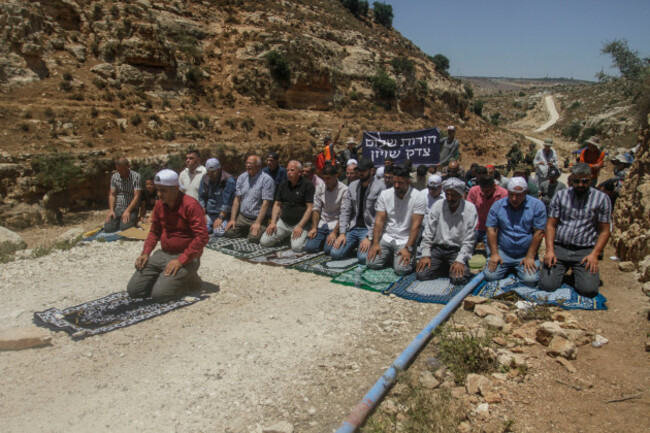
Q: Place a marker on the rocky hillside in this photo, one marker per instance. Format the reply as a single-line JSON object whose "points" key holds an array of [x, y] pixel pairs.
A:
{"points": [[91, 80]]}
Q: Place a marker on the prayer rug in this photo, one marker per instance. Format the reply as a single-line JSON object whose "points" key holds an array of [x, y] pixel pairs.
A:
{"points": [[102, 236], [137, 233], [240, 247], [324, 265], [565, 296], [376, 281], [283, 258], [106, 314], [439, 291]]}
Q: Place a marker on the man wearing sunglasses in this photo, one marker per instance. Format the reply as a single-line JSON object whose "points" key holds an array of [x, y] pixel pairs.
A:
{"points": [[577, 231]]}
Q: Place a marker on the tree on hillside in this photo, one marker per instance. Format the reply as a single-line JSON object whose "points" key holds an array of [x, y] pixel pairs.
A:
{"points": [[359, 8], [441, 62], [625, 60], [383, 14]]}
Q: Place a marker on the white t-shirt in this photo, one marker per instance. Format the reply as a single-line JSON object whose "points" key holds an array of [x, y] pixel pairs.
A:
{"points": [[429, 201], [190, 183], [399, 213]]}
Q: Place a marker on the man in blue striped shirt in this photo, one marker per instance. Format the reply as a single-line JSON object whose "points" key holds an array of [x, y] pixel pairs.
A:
{"points": [[577, 231]]}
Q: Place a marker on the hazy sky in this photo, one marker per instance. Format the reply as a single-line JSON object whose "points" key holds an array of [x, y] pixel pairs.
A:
{"points": [[524, 38]]}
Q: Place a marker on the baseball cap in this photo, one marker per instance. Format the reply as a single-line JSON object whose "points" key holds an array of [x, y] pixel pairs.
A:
{"points": [[434, 181], [212, 164], [166, 177]]}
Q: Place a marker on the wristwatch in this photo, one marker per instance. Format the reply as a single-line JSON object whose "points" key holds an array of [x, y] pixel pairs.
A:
{"points": [[369, 237]]}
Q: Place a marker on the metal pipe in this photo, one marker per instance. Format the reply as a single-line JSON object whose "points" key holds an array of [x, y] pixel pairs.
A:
{"points": [[374, 396]]}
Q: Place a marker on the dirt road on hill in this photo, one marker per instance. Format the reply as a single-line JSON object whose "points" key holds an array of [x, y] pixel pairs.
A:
{"points": [[554, 116]]}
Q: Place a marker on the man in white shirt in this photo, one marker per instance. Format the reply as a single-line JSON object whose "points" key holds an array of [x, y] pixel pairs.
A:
{"points": [[448, 240], [545, 159], [400, 211], [326, 213], [190, 178], [431, 194]]}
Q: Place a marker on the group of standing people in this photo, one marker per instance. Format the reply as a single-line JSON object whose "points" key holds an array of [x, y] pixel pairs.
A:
{"points": [[375, 214]]}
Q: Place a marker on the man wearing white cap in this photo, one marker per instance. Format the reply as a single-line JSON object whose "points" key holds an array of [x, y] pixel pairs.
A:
{"points": [[431, 194], [448, 240], [178, 222], [545, 158], [449, 147], [515, 229], [400, 211], [190, 178], [351, 171], [216, 195]]}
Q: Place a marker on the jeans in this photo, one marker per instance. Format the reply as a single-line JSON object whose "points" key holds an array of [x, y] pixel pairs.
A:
{"points": [[510, 264], [282, 232], [152, 281], [585, 282], [117, 225], [353, 238], [442, 257], [481, 236], [387, 253], [220, 232], [319, 241]]}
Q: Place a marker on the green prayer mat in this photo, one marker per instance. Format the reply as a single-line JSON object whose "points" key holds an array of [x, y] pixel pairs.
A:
{"points": [[376, 281]]}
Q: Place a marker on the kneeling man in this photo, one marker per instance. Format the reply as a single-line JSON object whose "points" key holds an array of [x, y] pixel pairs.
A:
{"points": [[327, 211], [178, 222], [515, 229], [448, 240], [400, 211]]}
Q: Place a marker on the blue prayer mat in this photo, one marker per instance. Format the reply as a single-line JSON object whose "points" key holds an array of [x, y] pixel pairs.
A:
{"points": [[565, 296], [102, 236], [438, 291]]}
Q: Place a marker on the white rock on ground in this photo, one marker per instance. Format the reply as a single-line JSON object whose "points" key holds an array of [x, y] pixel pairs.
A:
{"points": [[10, 241], [20, 338], [281, 427], [560, 346], [547, 331], [70, 236]]}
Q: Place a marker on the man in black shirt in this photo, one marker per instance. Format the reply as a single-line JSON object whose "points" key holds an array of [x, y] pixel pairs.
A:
{"points": [[294, 199]]}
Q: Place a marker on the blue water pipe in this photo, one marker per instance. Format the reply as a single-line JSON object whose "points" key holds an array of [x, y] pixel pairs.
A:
{"points": [[374, 396]]}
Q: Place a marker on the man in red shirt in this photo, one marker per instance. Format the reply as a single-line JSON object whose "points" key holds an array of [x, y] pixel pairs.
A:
{"points": [[483, 197], [178, 222], [593, 156]]}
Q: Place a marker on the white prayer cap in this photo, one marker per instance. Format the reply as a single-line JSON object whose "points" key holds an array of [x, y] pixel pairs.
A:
{"points": [[455, 184], [451, 128], [212, 164], [352, 162], [379, 174], [434, 181], [517, 184], [166, 177]]}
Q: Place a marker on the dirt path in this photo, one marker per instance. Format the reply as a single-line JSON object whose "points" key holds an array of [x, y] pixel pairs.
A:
{"points": [[552, 111]]}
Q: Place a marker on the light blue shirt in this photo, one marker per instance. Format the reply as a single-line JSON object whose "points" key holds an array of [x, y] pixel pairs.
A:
{"points": [[252, 191], [516, 226]]}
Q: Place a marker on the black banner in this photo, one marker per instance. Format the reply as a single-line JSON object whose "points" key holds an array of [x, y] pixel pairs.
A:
{"points": [[421, 147]]}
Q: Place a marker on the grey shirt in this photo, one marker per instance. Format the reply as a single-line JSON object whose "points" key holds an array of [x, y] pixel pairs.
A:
{"points": [[252, 191], [451, 229], [125, 189], [448, 150], [350, 205], [578, 217], [328, 203]]}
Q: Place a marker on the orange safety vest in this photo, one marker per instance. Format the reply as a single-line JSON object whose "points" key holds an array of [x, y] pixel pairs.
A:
{"points": [[329, 155]]}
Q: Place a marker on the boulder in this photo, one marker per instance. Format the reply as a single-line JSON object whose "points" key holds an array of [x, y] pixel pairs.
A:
{"points": [[10, 242], [471, 301], [427, 380], [20, 338], [70, 236], [566, 364], [475, 384], [626, 267], [494, 321], [130, 74], [483, 310], [560, 346], [509, 359], [547, 331], [281, 427], [104, 70]]}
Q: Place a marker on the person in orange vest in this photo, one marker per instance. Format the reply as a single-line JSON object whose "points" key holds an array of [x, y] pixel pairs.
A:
{"points": [[328, 155], [593, 156]]}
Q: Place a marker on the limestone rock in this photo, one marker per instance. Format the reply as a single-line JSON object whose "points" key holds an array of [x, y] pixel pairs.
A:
{"points": [[547, 331], [471, 301], [646, 288], [509, 359], [70, 236], [20, 338], [566, 364], [626, 266], [104, 70], [599, 341], [10, 241], [78, 51], [483, 310], [464, 427], [428, 381], [494, 426], [494, 321], [130, 74], [483, 410], [389, 407], [476, 383], [560, 346], [281, 427], [458, 392]]}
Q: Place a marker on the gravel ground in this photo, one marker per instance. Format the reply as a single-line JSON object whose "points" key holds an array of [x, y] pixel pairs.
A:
{"points": [[268, 345]]}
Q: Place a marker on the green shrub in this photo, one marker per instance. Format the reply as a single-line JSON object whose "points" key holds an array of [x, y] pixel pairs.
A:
{"points": [[469, 91], [65, 86], [478, 108], [384, 86], [575, 105], [403, 65], [572, 130], [494, 119], [248, 124], [441, 62], [57, 172], [192, 121], [136, 120], [588, 132], [67, 76], [115, 11], [98, 13], [169, 135], [359, 8], [383, 14], [48, 112], [522, 94], [279, 66], [465, 353]]}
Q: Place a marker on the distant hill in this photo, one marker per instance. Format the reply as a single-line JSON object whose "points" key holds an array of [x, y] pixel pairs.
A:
{"points": [[488, 85]]}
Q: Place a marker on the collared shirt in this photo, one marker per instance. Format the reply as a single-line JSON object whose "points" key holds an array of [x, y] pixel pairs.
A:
{"points": [[252, 191], [125, 189], [430, 202], [295, 199], [217, 197], [449, 151], [317, 182], [451, 229], [354, 200], [191, 182], [578, 218], [399, 213], [278, 176], [181, 229], [328, 203], [516, 226], [549, 159], [483, 204]]}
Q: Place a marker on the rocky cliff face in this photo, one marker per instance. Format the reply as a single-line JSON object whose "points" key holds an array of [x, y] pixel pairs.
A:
{"points": [[631, 235], [145, 79]]}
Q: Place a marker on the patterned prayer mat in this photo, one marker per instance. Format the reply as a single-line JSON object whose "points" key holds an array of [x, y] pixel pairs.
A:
{"points": [[565, 296], [240, 247], [324, 265], [439, 291], [283, 258], [106, 314], [376, 281], [101, 236]]}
